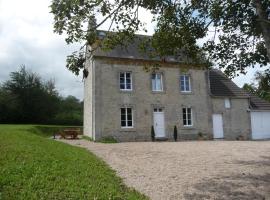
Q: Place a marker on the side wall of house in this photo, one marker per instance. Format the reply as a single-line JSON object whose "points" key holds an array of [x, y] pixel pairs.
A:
{"points": [[109, 99], [236, 120], [88, 114]]}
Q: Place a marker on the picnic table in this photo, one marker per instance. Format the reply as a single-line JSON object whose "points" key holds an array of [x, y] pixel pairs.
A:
{"points": [[71, 133]]}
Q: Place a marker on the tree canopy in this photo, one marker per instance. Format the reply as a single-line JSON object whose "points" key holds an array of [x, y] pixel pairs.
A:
{"points": [[27, 98], [260, 86], [234, 35]]}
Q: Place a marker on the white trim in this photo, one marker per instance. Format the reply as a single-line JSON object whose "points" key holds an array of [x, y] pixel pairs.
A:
{"points": [[184, 85], [161, 81], [191, 117], [125, 81], [126, 116]]}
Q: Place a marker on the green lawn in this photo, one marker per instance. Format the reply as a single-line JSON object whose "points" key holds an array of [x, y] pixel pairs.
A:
{"points": [[32, 166]]}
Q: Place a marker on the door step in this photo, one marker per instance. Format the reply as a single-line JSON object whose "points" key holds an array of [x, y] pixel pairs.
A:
{"points": [[161, 139]]}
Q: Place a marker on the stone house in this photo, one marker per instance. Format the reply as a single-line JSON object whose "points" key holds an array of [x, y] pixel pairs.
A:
{"points": [[124, 100]]}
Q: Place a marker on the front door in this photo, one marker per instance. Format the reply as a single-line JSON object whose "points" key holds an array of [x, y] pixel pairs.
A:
{"points": [[159, 125], [218, 126]]}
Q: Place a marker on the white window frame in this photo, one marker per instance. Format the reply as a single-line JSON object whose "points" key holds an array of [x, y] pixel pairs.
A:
{"points": [[125, 81], [184, 84], [126, 117], [227, 103], [154, 89], [186, 116]]}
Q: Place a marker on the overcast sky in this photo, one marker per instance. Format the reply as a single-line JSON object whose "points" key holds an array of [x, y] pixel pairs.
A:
{"points": [[27, 38]]}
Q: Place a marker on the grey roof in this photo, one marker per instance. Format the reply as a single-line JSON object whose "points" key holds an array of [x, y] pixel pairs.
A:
{"points": [[132, 51], [222, 86], [257, 103]]}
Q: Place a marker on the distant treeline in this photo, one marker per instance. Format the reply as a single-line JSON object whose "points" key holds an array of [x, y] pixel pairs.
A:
{"points": [[25, 98]]}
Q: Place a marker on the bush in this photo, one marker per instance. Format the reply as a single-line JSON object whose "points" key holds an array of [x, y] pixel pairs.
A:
{"points": [[175, 133], [153, 134], [87, 138]]}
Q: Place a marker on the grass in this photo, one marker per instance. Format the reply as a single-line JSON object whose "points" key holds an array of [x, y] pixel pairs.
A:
{"points": [[35, 167], [107, 140]]}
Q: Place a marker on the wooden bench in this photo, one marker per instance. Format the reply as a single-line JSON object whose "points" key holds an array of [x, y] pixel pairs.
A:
{"points": [[70, 133]]}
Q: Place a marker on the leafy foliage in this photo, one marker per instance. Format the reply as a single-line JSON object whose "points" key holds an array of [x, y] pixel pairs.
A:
{"points": [[26, 98], [262, 86], [233, 34]]}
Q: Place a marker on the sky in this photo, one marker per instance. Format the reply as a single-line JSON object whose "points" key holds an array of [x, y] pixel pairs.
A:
{"points": [[27, 38]]}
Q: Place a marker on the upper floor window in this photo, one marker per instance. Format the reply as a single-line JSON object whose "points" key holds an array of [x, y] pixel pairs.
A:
{"points": [[125, 79], [185, 83], [227, 103], [157, 84], [126, 117], [187, 116]]}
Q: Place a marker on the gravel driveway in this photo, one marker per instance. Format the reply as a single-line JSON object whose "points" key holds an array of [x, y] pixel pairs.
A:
{"points": [[190, 170]]}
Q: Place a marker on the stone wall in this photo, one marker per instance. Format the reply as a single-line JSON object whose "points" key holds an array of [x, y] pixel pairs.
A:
{"points": [[236, 120], [109, 99]]}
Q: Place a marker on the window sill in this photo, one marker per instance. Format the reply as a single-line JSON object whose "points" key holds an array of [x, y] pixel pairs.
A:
{"points": [[126, 129], [188, 127], [186, 93], [158, 92]]}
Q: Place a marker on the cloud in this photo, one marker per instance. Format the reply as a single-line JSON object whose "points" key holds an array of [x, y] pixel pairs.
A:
{"points": [[27, 38]]}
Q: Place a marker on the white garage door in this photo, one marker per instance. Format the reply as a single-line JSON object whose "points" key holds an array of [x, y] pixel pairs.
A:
{"points": [[260, 125]]}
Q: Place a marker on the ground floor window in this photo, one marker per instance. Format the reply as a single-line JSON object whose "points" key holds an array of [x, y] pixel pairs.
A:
{"points": [[126, 117], [187, 116]]}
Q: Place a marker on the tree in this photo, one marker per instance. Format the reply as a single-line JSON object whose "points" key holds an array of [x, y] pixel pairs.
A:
{"points": [[262, 86], [29, 99], [240, 29]]}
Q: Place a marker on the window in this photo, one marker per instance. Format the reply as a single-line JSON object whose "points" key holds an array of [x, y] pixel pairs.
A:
{"points": [[157, 84], [158, 110], [187, 116], [185, 83], [125, 81], [126, 117], [227, 103]]}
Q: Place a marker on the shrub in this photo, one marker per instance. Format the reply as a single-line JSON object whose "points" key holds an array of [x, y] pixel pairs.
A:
{"points": [[87, 138], [175, 133], [153, 133]]}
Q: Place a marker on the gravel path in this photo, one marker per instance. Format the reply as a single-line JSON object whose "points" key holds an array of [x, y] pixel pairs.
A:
{"points": [[190, 170]]}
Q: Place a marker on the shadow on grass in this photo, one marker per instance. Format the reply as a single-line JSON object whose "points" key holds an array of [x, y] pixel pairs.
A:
{"points": [[234, 187]]}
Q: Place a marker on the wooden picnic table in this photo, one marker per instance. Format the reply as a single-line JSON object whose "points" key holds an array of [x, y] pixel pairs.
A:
{"points": [[70, 133]]}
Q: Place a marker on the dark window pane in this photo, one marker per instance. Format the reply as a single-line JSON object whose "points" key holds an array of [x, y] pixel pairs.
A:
{"points": [[128, 75], [122, 75], [122, 86], [129, 111], [128, 86], [153, 76], [185, 122], [129, 117], [128, 80], [129, 123], [189, 122], [155, 109], [123, 111], [123, 123]]}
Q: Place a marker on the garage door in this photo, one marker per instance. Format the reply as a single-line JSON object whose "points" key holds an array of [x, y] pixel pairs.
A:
{"points": [[260, 125]]}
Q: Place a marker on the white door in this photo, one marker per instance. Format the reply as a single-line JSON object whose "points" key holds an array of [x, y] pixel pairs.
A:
{"points": [[260, 125], [218, 126], [159, 125]]}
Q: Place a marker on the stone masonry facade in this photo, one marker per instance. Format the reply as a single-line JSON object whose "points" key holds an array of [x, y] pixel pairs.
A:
{"points": [[103, 102]]}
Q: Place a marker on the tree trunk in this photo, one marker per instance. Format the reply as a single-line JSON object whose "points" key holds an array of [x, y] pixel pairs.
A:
{"points": [[264, 23]]}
